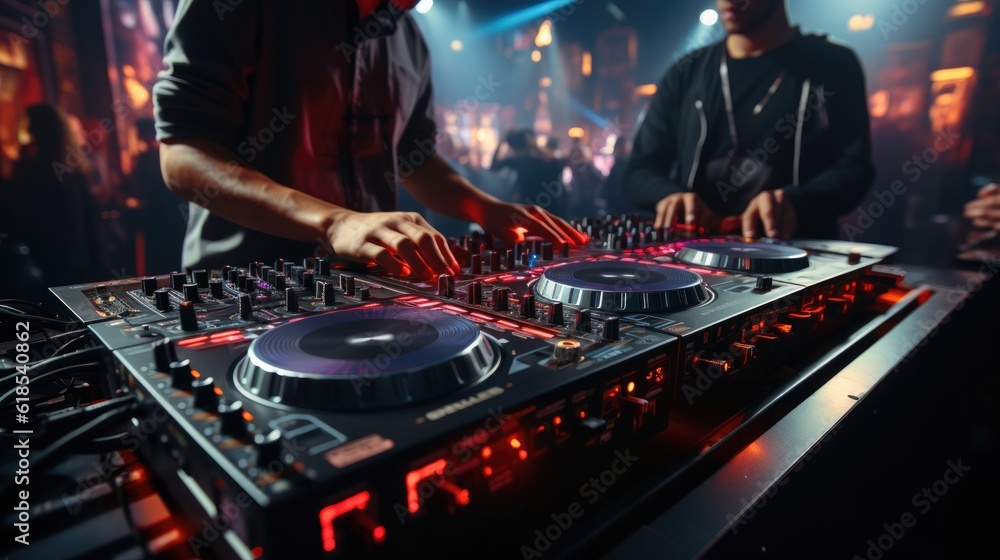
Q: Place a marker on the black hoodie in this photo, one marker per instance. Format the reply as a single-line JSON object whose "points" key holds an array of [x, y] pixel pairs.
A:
{"points": [[811, 138]]}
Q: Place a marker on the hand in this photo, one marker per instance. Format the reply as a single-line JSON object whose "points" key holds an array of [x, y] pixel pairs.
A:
{"points": [[512, 222], [984, 211], [687, 208], [402, 243], [774, 210]]}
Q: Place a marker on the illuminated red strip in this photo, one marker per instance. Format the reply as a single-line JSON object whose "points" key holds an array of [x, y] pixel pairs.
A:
{"points": [[509, 325], [455, 309], [481, 316], [538, 333], [429, 304], [224, 334], [192, 341], [329, 513], [414, 477]]}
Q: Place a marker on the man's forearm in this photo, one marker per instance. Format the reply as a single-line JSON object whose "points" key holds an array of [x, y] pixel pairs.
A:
{"points": [[436, 185], [200, 171]]}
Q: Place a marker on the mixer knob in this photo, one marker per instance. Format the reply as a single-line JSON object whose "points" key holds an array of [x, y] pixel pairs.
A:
{"points": [[200, 278], [764, 284], [307, 279], [280, 281], [177, 280], [234, 277], [475, 264], [528, 306], [180, 374], [162, 298], [205, 396], [231, 421], [291, 300], [347, 284], [270, 448], [464, 243], [566, 351], [251, 285], [546, 251], [322, 267], [610, 240], [279, 265], [148, 285], [508, 259], [246, 307], [612, 328], [163, 354], [565, 250], [287, 267], [853, 257], [191, 292], [241, 282], [518, 249], [364, 293], [719, 366], [225, 272], [255, 268], [329, 295], [499, 299], [189, 320], [474, 294], [272, 275], [581, 322], [446, 286], [215, 288], [494, 261], [556, 314]]}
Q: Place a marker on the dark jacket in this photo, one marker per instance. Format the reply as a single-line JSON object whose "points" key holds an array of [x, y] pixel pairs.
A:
{"points": [[823, 119]]}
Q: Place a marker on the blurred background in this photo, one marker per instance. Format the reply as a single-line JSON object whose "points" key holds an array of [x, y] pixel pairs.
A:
{"points": [[76, 78]]}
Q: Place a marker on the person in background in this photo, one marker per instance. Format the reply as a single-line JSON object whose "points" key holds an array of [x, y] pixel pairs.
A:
{"points": [[536, 172], [765, 132], [614, 184], [585, 186], [55, 222], [164, 214]]}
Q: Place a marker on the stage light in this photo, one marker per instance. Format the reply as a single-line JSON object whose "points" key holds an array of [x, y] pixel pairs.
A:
{"points": [[709, 17], [544, 36], [456, 45], [424, 6], [536, 55], [576, 132], [545, 82], [859, 22], [587, 66]]}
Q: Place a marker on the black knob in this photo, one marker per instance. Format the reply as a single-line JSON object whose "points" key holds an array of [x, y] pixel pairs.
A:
{"points": [[364, 293], [536, 247], [329, 294], [610, 241], [225, 272], [565, 250], [611, 329], [320, 286], [307, 279], [490, 238], [280, 281], [546, 251], [556, 314], [177, 280], [162, 297], [446, 285], [475, 264], [231, 421], [581, 322], [241, 282], [853, 257], [494, 261], [287, 268], [246, 307], [163, 354], [148, 285], [271, 276], [234, 277], [251, 285], [474, 294], [291, 300], [279, 265], [464, 243], [200, 277], [508, 259], [528, 306], [215, 288], [348, 285], [189, 320], [191, 292], [205, 396], [518, 249], [180, 374], [764, 284], [270, 448], [322, 267], [500, 296]]}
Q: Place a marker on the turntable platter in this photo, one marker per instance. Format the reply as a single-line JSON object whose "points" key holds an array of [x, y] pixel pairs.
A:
{"points": [[748, 257], [622, 286], [366, 358]]}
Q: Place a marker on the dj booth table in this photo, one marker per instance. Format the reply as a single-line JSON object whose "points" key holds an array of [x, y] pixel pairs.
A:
{"points": [[823, 465]]}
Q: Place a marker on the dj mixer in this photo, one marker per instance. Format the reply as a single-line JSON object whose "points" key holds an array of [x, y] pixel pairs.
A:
{"points": [[311, 409]]}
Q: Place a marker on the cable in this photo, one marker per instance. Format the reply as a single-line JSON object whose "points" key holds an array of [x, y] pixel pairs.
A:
{"points": [[17, 314], [68, 344], [127, 512], [41, 461], [34, 366], [31, 304], [46, 375]]}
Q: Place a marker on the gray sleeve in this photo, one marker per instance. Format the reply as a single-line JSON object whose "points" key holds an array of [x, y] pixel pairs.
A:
{"points": [[209, 58]]}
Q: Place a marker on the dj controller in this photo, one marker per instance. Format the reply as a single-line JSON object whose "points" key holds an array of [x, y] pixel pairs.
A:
{"points": [[307, 409]]}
